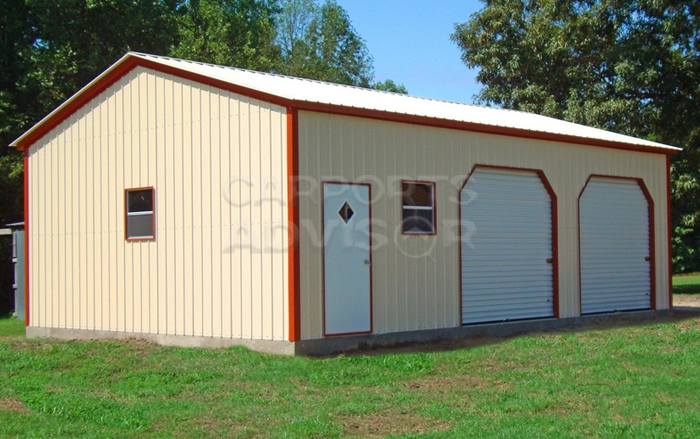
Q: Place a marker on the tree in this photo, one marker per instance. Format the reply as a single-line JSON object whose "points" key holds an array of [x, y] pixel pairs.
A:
{"points": [[75, 40], [330, 50], [629, 66], [238, 33], [390, 86]]}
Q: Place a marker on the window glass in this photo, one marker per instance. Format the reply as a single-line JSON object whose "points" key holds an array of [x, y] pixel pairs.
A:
{"points": [[139, 214], [418, 208], [140, 200]]}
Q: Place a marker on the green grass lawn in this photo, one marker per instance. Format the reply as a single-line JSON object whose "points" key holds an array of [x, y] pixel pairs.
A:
{"points": [[626, 382], [11, 327], [686, 284]]}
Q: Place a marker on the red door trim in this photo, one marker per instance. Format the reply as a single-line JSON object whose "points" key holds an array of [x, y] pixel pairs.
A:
{"points": [[323, 260], [652, 237], [555, 233]]}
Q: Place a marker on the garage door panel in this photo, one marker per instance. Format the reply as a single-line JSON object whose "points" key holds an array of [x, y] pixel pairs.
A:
{"points": [[614, 246], [507, 270], [506, 293]]}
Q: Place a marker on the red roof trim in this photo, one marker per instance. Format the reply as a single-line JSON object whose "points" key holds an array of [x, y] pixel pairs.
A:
{"points": [[131, 61]]}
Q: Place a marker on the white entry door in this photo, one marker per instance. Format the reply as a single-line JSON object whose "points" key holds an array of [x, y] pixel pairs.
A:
{"points": [[347, 258], [615, 246]]}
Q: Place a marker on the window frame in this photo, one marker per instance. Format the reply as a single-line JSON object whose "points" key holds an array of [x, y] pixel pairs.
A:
{"points": [[433, 208], [127, 214]]}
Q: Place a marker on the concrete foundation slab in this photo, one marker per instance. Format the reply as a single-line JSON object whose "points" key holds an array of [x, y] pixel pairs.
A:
{"points": [[335, 345], [265, 346]]}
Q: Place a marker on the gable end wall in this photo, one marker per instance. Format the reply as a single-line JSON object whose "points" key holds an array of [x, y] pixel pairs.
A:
{"points": [[219, 263]]}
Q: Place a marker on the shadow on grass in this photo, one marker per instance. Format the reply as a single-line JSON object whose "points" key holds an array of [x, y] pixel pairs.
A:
{"points": [[608, 322], [686, 289]]}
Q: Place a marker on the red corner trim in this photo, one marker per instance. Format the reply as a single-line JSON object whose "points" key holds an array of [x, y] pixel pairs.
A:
{"points": [[293, 224], [26, 238], [669, 232]]}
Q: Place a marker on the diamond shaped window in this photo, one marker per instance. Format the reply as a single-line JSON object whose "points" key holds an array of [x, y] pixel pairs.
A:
{"points": [[346, 212]]}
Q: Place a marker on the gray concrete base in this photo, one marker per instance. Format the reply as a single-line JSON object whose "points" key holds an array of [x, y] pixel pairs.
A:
{"points": [[334, 345], [266, 346]]}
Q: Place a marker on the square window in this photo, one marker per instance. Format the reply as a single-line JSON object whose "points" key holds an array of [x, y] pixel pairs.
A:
{"points": [[139, 214], [418, 200]]}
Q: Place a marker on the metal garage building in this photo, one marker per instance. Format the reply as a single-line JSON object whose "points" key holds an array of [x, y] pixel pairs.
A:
{"points": [[195, 204]]}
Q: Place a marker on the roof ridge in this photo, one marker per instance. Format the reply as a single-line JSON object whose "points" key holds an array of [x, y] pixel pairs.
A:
{"points": [[318, 81]]}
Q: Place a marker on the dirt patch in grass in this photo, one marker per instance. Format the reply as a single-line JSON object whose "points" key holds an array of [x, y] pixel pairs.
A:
{"points": [[456, 382], [24, 345], [211, 425], [373, 425], [13, 405], [686, 300]]}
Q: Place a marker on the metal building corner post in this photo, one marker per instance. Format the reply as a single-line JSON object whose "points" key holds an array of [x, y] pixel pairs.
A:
{"points": [[293, 223], [27, 306]]}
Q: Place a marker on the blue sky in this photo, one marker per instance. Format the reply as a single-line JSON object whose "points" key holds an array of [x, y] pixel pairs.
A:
{"points": [[410, 43]]}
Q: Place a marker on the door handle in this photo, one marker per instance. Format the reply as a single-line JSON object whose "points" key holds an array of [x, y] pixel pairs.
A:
{"points": [[550, 260], [648, 258], [367, 262]]}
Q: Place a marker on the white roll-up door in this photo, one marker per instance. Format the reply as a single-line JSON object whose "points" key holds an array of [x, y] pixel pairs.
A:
{"points": [[615, 258], [507, 260]]}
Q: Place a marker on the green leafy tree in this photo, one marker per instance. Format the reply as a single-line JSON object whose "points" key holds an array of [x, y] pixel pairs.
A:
{"points": [[77, 39], [239, 33], [629, 66], [390, 85], [319, 42]]}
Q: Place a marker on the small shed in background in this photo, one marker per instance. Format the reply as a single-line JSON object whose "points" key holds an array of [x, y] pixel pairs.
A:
{"points": [[17, 230]]}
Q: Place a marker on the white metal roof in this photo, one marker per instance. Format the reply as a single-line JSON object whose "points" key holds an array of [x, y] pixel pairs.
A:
{"points": [[311, 91]]}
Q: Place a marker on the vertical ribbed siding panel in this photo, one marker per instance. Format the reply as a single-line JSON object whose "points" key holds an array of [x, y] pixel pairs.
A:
{"points": [[205, 193], [88, 307], [256, 218], [113, 138], [217, 266], [165, 141], [266, 253], [73, 289], [225, 312], [415, 293], [246, 221], [215, 269], [149, 300], [140, 170], [131, 180], [197, 207], [188, 133], [279, 230], [234, 194], [174, 128]]}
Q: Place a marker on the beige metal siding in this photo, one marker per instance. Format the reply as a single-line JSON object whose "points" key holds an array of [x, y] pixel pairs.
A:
{"points": [[218, 267], [411, 292]]}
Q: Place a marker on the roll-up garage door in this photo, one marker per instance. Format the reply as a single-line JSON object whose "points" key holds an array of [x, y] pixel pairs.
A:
{"points": [[615, 258], [507, 260]]}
